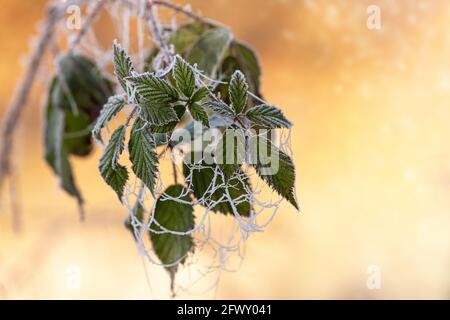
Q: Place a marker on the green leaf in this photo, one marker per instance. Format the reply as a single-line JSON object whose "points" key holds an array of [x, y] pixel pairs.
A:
{"points": [[221, 108], [169, 127], [158, 114], [110, 109], [122, 64], [230, 151], [238, 92], [202, 180], [85, 88], [199, 114], [184, 76], [114, 174], [77, 139], [153, 89], [138, 214], [56, 154], [240, 57], [248, 63], [186, 36], [173, 216], [199, 94], [282, 180], [210, 49], [143, 156], [268, 117]]}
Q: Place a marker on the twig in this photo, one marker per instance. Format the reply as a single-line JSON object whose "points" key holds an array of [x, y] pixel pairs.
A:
{"points": [[174, 7], [130, 116], [155, 28], [21, 96], [183, 10]]}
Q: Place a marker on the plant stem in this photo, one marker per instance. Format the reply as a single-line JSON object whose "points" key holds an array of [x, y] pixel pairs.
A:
{"points": [[20, 98], [155, 28]]}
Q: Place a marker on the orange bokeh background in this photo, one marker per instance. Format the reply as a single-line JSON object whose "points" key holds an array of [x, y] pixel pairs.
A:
{"points": [[371, 113]]}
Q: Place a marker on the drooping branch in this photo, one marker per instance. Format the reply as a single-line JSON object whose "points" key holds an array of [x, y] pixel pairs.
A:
{"points": [[20, 98]]}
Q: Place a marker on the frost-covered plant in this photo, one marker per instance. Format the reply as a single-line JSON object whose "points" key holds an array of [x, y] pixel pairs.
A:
{"points": [[197, 96]]}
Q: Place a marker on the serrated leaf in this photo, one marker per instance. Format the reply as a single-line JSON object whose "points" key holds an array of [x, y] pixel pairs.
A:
{"points": [[158, 114], [143, 156], [179, 110], [230, 151], [198, 114], [242, 57], [77, 140], [184, 77], [114, 174], [199, 94], [238, 92], [221, 108], [210, 49], [110, 109], [186, 36], [85, 88], [138, 214], [268, 117], [203, 180], [56, 154], [152, 89], [282, 180], [123, 65], [173, 216]]}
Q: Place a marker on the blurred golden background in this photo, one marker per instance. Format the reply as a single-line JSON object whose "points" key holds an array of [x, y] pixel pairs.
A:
{"points": [[371, 147]]}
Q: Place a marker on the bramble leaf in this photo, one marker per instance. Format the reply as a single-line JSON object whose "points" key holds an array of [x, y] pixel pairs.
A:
{"points": [[199, 94], [170, 126], [210, 49], [279, 175], [268, 117], [172, 249], [77, 139], [221, 108], [158, 114], [110, 109], [143, 156], [230, 151], [199, 114], [114, 174], [56, 154], [123, 65], [203, 178], [238, 92], [85, 88], [242, 57], [152, 89], [184, 76]]}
